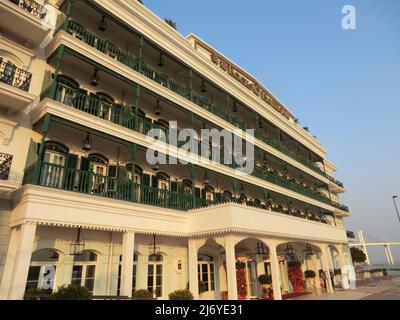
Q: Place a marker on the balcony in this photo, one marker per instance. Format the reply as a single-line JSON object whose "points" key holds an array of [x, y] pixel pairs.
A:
{"points": [[87, 182], [22, 20], [14, 87], [9, 180], [124, 116], [130, 60]]}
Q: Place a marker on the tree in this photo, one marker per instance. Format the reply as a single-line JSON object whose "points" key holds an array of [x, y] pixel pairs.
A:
{"points": [[358, 255]]}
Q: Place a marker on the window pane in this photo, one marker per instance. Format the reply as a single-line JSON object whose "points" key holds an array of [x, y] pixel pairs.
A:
{"points": [[77, 272], [90, 271], [89, 284]]}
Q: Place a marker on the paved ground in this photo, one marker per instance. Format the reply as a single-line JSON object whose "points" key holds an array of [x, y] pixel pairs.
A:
{"points": [[380, 290]]}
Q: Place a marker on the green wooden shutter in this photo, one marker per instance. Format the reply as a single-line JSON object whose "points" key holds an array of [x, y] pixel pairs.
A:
{"points": [[198, 192], [146, 180], [174, 186], [112, 171], [85, 164], [72, 160], [154, 181]]}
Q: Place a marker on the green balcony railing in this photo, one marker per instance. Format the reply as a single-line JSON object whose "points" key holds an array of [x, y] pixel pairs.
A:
{"points": [[124, 116], [131, 61], [86, 182]]}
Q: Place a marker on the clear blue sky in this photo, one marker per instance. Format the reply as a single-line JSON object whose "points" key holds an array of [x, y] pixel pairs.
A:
{"points": [[343, 84]]}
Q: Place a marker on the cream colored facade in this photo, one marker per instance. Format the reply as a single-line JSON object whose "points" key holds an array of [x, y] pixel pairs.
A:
{"points": [[101, 73]]}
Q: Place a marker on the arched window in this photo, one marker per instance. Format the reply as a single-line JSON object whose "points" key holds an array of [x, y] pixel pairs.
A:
{"points": [[54, 160], [163, 181], [98, 164], [187, 186], [208, 193], [84, 270], [134, 274], [206, 273], [42, 270], [134, 174], [105, 106], [155, 275], [67, 90]]}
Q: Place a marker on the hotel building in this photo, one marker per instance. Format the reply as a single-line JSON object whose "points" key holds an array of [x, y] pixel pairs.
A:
{"points": [[81, 84]]}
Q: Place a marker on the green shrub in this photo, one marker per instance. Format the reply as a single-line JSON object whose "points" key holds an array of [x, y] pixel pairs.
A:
{"points": [[181, 295], [36, 294], [72, 292], [142, 295], [309, 274], [337, 272], [265, 279], [240, 265], [202, 287]]}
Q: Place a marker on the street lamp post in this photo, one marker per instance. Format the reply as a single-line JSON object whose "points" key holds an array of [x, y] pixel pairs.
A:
{"points": [[395, 205]]}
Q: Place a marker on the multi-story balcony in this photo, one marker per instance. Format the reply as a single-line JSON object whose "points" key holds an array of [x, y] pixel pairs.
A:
{"points": [[14, 87], [107, 172], [265, 132], [23, 21], [103, 108]]}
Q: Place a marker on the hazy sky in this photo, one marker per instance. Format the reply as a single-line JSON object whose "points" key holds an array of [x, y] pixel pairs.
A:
{"points": [[343, 84]]}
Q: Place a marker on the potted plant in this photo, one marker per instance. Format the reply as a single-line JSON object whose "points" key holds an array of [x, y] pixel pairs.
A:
{"points": [[266, 282], [181, 295], [71, 292], [310, 276], [142, 295]]}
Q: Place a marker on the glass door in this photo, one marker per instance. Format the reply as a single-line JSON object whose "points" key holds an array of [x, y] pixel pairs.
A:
{"points": [[252, 279]]}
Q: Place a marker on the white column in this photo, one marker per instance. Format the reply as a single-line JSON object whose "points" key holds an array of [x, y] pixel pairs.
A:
{"points": [[275, 270], [390, 254], [193, 274], [364, 247], [325, 268], [22, 261], [341, 256], [231, 267], [128, 251], [9, 264]]}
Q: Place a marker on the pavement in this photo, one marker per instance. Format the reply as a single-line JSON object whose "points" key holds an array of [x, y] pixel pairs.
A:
{"points": [[376, 290]]}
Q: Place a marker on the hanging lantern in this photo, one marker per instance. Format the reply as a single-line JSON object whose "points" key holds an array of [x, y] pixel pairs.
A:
{"points": [[103, 24], [260, 124], [161, 62], [289, 251], [157, 108], [94, 80], [77, 246], [235, 107], [261, 249], [154, 247], [203, 86], [206, 179], [308, 251], [87, 143]]}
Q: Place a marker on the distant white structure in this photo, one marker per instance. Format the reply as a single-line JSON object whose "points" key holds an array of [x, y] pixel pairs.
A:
{"points": [[364, 245]]}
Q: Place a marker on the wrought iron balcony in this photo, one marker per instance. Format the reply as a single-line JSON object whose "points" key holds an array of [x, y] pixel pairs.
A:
{"points": [[124, 116], [32, 7], [14, 76], [86, 182], [131, 61], [350, 235]]}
